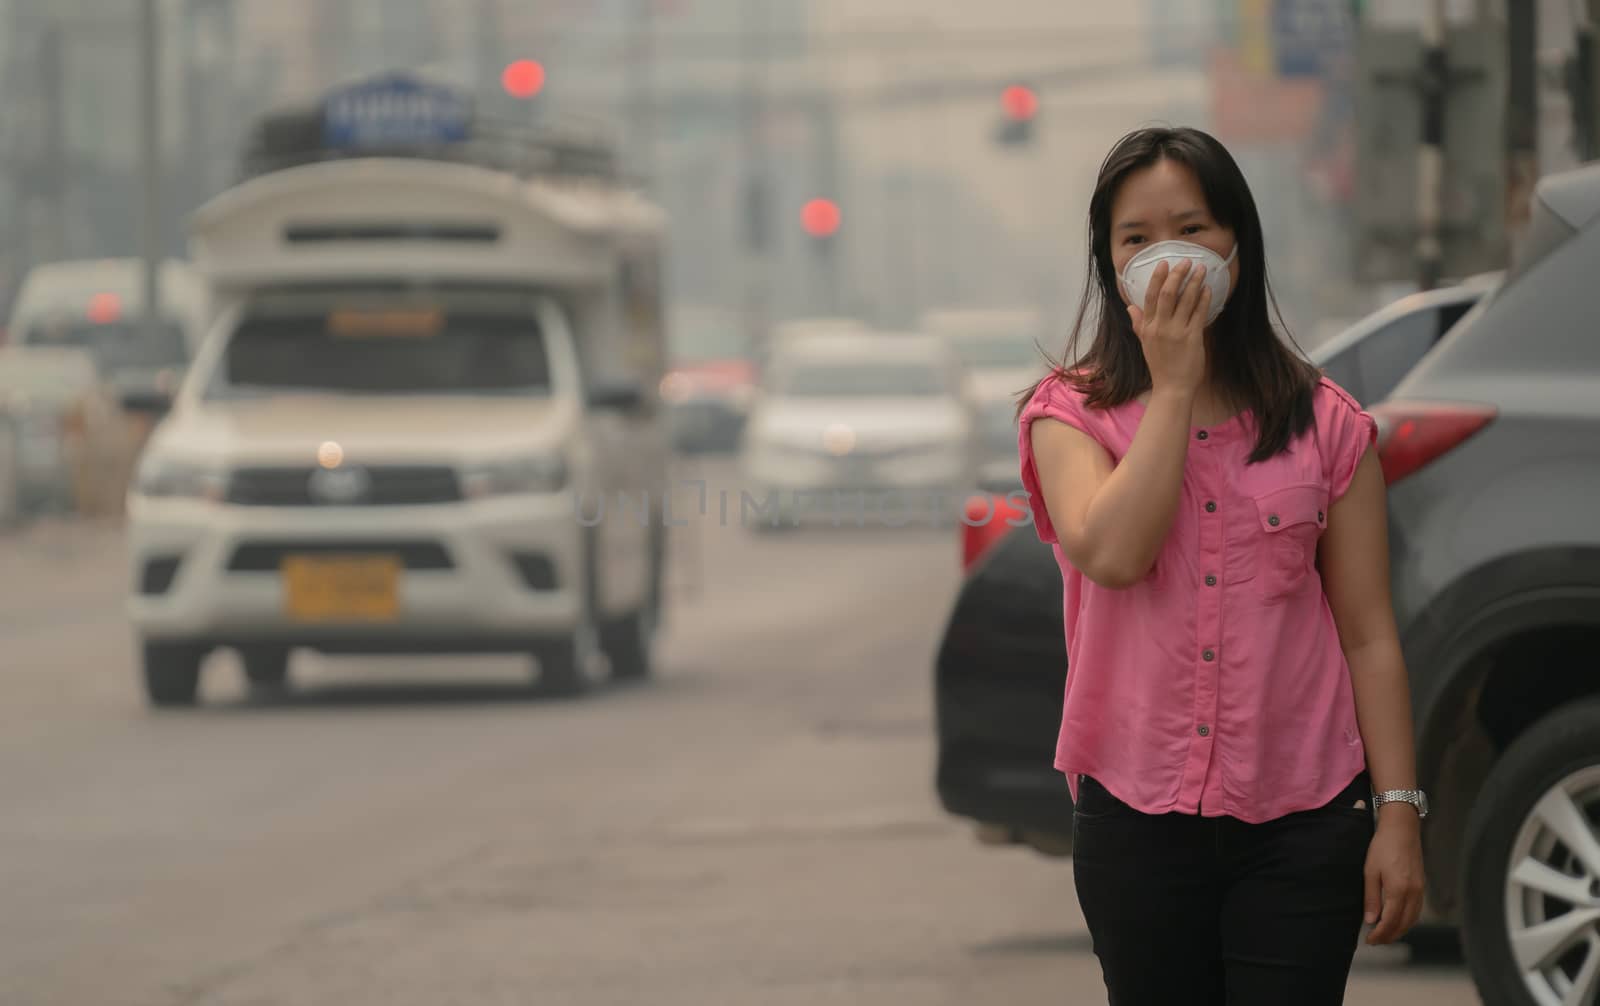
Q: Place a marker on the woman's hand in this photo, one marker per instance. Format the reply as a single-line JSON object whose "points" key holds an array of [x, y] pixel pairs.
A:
{"points": [[1171, 327], [1394, 874]]}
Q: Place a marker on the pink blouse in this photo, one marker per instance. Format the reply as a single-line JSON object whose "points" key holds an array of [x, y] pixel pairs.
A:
{"points": [[1216, 685]]}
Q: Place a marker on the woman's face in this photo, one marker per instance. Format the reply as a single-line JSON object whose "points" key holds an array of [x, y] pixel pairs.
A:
{"points": [[1164, 202]]}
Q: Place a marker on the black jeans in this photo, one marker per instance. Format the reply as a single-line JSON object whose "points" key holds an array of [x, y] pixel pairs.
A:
{"points": [[1193, 910]]}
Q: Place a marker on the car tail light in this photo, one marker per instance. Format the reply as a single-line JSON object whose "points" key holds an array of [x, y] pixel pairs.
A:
{"points": [[987, 517], [1413, 435]]}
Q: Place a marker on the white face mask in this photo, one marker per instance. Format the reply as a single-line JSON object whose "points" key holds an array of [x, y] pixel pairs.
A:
{"points": [[1136, 274]]}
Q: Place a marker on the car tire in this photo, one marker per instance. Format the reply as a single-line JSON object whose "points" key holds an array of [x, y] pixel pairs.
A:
{"points": [[565, 662], [172, 674], [1434, 945], [10, 476], [628, 641], [266, 667], [1558, 755], [783, 525]]}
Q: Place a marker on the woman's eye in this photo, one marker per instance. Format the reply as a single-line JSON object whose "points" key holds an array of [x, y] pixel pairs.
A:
{"points": [[1193, 229], [1133, 239]]}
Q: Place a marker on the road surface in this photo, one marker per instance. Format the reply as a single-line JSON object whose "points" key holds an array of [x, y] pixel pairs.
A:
{"points": [[755, 826]]}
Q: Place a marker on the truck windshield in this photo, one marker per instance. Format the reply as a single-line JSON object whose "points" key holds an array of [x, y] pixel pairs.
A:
{"points": [[395, 345], [815, 380], [116, 346]]}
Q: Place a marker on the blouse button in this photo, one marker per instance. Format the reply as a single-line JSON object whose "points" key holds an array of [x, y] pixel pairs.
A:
{"points": [[1203, 435], [1208, 656], [1273, 520], [1211, 506], [1211, 581], [1204, 731], [1320, 517]]}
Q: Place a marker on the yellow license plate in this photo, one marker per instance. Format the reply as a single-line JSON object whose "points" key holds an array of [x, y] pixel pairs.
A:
{"points": [[341, 588]]}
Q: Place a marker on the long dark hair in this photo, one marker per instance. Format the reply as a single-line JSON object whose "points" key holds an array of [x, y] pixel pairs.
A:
{"points": [[1250, 362]]}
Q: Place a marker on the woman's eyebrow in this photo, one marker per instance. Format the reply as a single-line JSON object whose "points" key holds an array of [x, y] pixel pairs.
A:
{"points": [[1128, 225]]}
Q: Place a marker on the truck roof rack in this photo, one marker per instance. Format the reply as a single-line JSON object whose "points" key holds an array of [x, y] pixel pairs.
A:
{"points": [[297, 136]]}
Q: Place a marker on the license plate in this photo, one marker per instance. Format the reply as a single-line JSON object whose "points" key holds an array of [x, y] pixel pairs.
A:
{"points": [[320, 588]]}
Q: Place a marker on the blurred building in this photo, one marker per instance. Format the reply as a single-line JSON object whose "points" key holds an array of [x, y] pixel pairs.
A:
{"points": [[735, 113]]}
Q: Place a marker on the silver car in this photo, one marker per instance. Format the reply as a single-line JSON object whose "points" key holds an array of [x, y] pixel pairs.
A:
{"points": [[1491, 451], [1000, 349], [863, 428]]}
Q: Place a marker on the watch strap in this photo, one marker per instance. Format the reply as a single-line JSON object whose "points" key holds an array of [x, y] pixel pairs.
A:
{"points": [[1415, 797]]}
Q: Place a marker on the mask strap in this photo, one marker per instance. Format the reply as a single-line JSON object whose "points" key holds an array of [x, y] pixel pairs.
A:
{"points": [[1229, 259]]}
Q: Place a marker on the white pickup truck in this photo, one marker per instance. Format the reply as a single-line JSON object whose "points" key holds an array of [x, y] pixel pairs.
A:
{"points": [[423, 421]]}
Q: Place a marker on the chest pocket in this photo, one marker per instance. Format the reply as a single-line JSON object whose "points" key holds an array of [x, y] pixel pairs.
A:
{"points": [[1289, 522]]}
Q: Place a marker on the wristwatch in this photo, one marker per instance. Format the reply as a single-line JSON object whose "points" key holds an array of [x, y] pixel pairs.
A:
{"points": [[1415, 797]]}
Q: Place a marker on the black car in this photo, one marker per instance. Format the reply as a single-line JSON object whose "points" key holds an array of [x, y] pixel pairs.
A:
{"points": [[1002, 665]]}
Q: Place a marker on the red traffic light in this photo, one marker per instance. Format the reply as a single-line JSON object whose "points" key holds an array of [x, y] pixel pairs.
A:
{"points": [[1020, 103], [821, 218], [104, 309], [523, 78]]}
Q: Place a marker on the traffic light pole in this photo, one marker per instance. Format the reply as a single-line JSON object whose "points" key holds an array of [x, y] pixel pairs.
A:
{"points": [[756, 204], [1585, 81], [152, 219], [1522, 112], [1430, 157], [641, 116]]}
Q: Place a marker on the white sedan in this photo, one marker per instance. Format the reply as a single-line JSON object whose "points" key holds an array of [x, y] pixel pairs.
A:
{"points": [[859, 429]]}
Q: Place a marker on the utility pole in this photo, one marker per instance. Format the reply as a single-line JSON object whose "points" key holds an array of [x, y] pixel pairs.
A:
{"points": [[756, 204], [641, 72], [152, 220], [1430, 157], [1585, 80], [1522, 113], [52, 58], [488, 54], [825, 140]]}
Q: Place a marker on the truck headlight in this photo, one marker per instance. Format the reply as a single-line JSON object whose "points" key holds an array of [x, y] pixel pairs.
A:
{"points": [[164, 478], [515, 477]]}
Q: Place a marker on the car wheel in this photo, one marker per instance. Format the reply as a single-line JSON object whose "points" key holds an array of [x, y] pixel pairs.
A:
{"points": [[1531, 917], [628, 640], [766, 526], [566, 665], [1434, 944], [265, 667], [172, 673], [10, 476]]}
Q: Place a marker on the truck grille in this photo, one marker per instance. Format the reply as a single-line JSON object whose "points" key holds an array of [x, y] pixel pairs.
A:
{"points": [[389, 485], [268, 556]]}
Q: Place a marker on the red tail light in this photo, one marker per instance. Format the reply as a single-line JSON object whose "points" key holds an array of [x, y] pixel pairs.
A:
{"points": [[1413, 435], [987, 518]]}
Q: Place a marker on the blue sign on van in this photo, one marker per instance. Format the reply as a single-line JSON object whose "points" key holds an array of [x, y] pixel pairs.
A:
{"points": [[394, 111]]}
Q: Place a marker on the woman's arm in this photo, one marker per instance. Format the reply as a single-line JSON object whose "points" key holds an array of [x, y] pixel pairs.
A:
{"points": [[1354, 557], [1112, 520]]}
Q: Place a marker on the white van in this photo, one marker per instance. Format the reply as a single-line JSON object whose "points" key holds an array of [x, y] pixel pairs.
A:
{"points": [[98, 305], [422, 421]]}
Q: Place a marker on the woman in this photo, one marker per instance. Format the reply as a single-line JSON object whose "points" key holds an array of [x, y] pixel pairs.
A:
{"points": [[1236, 700]]}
